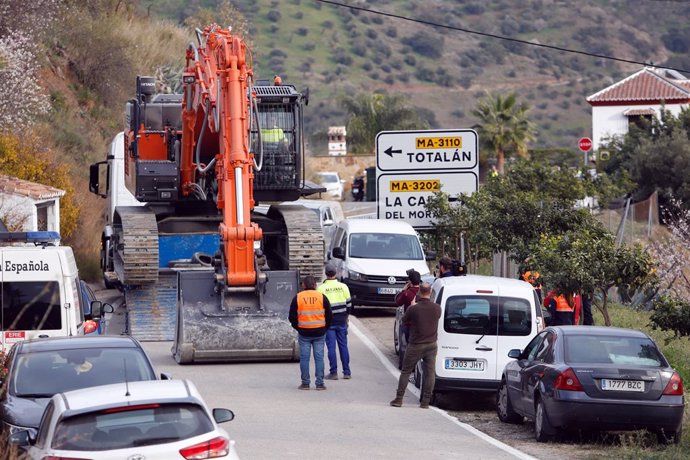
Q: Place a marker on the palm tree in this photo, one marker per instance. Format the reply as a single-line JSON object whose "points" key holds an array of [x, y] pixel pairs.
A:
{"points": [[504, 126], [369, 114]]}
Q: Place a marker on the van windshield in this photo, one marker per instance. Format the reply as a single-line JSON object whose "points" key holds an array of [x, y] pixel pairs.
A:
{"points": [[30, 305], [385, 246]]}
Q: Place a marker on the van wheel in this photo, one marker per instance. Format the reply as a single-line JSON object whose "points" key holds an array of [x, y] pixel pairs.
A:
{"points": [[543, 430], [504, 408]]}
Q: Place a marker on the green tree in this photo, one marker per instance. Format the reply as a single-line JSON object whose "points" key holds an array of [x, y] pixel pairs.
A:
{"points": [[655, 155], [369, 114], [504, 127], [587, 260]]}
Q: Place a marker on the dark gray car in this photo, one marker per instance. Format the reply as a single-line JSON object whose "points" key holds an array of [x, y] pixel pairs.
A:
{"points": [[588, 377], [38, 369]]}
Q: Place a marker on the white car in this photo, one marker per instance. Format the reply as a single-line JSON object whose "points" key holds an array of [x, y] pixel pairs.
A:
{"points": [[152, 420], [333, 184]]}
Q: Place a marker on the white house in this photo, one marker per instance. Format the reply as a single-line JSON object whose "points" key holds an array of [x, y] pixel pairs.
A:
{"points": [[28, 206], [336, 140], [641, 95]]}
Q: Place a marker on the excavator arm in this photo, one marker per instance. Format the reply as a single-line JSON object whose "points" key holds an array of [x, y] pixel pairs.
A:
{"points": [[216, 93]]}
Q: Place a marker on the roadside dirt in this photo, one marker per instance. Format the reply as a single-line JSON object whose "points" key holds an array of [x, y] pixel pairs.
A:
{"points": [[479, 409]]}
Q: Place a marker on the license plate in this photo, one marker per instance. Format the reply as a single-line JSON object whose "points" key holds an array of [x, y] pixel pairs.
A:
{"points": [[464, 365], [622, 385], [387, 290]]}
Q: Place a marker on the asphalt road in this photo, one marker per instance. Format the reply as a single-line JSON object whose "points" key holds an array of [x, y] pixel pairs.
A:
{"points": [[351, 419]]}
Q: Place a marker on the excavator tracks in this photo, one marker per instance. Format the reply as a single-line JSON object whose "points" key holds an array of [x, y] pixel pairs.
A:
{"points": [[136, 247], [305, 239]]}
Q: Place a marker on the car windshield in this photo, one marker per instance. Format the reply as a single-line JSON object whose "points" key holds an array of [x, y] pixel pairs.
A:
{"points": [[611, 349], [329, 178], [30, 305], [42, 374], [132, 426], [385, 246]]}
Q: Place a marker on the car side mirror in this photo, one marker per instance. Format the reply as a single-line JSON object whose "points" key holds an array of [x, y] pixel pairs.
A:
{"points": [[328, 222], [223, 415], [20, 438], [338, 253], [515, 353], [430, 255], [96, 309]]}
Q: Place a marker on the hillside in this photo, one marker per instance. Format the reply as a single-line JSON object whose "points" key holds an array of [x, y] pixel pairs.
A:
{"points": [[340, 51]]}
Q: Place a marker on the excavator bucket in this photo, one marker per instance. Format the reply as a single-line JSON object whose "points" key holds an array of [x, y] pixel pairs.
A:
{"points": [[250, 327]]}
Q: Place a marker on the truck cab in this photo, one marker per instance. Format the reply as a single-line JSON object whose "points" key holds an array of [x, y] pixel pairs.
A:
{"points": [[39, 289]]}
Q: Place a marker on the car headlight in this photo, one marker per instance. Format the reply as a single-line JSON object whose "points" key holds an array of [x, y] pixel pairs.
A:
{"points": [[356, 276]]}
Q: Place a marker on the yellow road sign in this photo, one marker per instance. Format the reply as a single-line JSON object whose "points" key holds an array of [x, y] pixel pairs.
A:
{"points": [[430, 185]]}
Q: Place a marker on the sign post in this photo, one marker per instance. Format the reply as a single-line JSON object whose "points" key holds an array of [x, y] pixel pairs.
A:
{"points": [[585, 144], [412, 165]]}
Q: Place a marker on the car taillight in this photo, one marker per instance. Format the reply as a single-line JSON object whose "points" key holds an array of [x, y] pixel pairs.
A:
{"points": [[674, 386], [567, 380], [216, 447]]}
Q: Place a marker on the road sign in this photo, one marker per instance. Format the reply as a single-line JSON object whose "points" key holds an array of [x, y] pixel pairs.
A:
{"points": [[585, 144], [403, 195], [430, 150]]}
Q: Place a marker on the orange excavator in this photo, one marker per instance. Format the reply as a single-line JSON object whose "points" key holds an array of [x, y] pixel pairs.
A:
{"points": [[197, 164]]}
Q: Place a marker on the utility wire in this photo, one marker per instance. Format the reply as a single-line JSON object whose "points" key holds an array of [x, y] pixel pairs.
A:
{"points": [[500, 37]]}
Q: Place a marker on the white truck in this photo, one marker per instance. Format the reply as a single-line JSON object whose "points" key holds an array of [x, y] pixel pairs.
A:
{"points": [[40, 293]]}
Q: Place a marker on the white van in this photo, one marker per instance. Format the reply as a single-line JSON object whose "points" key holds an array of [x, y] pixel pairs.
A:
{"points": [[482, 319], [372, 257], [40, 294]]}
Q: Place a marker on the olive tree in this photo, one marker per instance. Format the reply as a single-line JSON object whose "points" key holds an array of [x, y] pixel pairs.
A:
{"points": [[587, 260]]}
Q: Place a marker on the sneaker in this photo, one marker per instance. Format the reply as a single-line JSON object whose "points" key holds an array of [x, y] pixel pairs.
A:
{"points": [[304, 386], [321, 387], [424, 405], [397, 402], [331, 376], [347, 376]]}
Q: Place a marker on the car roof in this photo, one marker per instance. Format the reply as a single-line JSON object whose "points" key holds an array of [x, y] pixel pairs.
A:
{"points": [[479, 281], [377, 226], [600, 331], [122, 394], [76, 342]]}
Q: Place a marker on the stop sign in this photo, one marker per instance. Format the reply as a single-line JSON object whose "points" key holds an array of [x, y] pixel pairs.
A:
{"points": [[585, 144]]}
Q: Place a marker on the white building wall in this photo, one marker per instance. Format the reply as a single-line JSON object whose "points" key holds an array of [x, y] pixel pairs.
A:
{"points": [[17, 208], [609, 121]]}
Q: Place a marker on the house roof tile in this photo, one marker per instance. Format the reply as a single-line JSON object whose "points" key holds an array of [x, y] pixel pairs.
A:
{"points": [[642, 86], [9, 184]]}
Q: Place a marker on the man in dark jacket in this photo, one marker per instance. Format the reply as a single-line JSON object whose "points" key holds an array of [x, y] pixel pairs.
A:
{"points": [[422, 318], [311, 315]]}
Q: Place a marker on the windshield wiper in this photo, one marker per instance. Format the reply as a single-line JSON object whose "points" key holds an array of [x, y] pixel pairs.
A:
{"points": [[34, 395]]}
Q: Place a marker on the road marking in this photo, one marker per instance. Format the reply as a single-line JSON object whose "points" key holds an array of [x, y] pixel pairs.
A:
{"points": [[412, 389]]}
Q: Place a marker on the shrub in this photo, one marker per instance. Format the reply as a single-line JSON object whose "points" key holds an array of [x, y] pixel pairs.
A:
{"points": [[310, 46], [410, 60], [671, 314], [371, 33], [299, 15], [425, 44], [367, 66], [302, 31], [391, 32], [273, 16]]}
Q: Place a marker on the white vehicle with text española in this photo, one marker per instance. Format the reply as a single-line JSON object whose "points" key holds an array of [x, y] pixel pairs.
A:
{"points": [[40, 289]]}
